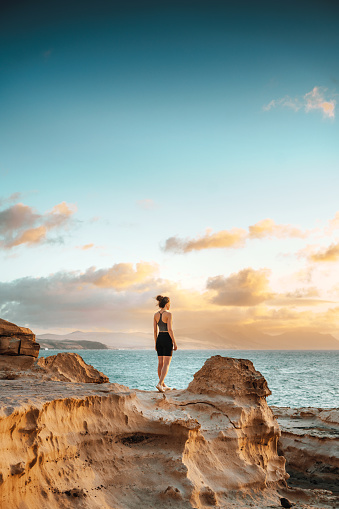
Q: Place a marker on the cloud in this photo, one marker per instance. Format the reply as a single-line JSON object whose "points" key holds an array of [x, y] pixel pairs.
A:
{"points": [[120, 275], [234, 238], [86, 247], [333, 224], [116, 298], [301, 297], [313, 100], [21, 224], [248, 287], [330, 254], [12, 198], [146, 204], [122, 297], [268, 228], [286, 101]]}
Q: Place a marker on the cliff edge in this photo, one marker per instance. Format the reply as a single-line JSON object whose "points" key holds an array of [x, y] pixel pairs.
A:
{"points": [[104, 446]]}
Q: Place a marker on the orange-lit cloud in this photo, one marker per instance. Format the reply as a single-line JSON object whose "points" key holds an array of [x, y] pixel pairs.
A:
{"points": [[122, 297], [313, 100], [330, 254], [302, 297], [30, 236], [248, 287], [86, 247], [268, 228], [21, 224], [234, 238], [120, 276]]}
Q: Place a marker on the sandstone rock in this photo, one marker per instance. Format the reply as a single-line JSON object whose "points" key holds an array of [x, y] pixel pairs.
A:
{"points": [[310, 443], [228, 376], [13, 364], [70, 367], [28, 347], [15, 340], [9, 346], [138, 449], [10, 329]]}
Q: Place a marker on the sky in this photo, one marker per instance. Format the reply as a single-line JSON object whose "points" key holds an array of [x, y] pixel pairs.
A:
{"points": [[181, 148]]}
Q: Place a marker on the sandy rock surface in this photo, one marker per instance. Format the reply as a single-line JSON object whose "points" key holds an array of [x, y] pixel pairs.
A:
{"points": [[8, 329], [101, 446], [63, 367], [70, 367], [310, 443]]}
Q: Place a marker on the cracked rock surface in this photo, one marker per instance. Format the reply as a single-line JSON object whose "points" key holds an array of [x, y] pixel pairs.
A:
{"points": [[101, 446]]}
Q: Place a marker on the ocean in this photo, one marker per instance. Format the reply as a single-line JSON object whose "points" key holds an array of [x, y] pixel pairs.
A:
{"points": [[296, 378]]}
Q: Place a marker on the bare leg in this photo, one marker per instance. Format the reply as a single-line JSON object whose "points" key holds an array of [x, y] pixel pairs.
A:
{"points": [[166, 363], [160, 365]]}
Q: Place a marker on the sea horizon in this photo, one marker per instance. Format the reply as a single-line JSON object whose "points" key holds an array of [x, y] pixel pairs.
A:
{"points": [[296, 378]]}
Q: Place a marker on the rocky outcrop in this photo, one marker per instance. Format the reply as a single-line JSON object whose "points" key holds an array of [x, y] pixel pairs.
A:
{"points": [[310, 443], [15, 340], [104, 446], [69, 367], [63, 367]]}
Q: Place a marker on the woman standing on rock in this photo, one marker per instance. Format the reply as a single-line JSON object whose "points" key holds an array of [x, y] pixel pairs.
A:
{"points": [[164, 340]]}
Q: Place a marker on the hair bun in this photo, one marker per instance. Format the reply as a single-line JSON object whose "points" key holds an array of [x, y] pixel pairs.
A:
{"points": [[162, 301]]}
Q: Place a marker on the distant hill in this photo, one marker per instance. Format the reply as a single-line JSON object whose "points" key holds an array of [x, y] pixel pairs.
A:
{"points": [[220, 337], [57, 344]]}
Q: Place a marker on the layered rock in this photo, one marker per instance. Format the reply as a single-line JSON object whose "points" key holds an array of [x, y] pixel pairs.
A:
{"points": [[69, 367], [15, 340], [310, 443], [104, 446]]}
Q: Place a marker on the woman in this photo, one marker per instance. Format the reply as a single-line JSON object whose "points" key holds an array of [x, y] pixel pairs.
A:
{"points": [[164, 340]]}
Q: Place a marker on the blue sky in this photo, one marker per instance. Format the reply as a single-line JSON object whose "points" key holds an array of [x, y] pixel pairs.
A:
{"points": [[163, 120]]}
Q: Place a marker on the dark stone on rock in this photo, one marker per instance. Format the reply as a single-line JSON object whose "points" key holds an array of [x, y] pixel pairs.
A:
{"points": [[18, 468], [286, 503]]}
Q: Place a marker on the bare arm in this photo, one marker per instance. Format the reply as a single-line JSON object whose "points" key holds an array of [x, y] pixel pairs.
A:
{"points": [[170, 330], [155, 327]]}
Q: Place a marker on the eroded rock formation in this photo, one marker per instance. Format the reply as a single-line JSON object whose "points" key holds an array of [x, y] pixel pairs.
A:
{"points": [[69, 367], [103, 446], [310, 443], [17, 341]]}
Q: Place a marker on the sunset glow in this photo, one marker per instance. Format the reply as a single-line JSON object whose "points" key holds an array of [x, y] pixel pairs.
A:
{"points": [[189, 149]]}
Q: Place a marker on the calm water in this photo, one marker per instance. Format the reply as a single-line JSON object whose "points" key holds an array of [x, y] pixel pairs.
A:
{"points": [[296, 378]]}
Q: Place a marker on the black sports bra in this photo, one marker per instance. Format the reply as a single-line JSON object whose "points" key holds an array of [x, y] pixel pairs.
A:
{"points": [[162, 325]]}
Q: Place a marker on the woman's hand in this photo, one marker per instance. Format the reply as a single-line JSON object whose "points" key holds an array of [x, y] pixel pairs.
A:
{"points": [[175, 346]]}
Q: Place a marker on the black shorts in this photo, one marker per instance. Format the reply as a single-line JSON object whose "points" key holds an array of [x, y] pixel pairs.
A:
{"points": [[164, 344]]}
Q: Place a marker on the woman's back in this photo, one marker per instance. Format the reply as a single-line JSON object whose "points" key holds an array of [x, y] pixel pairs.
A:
{"points": [[162, 321]]}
